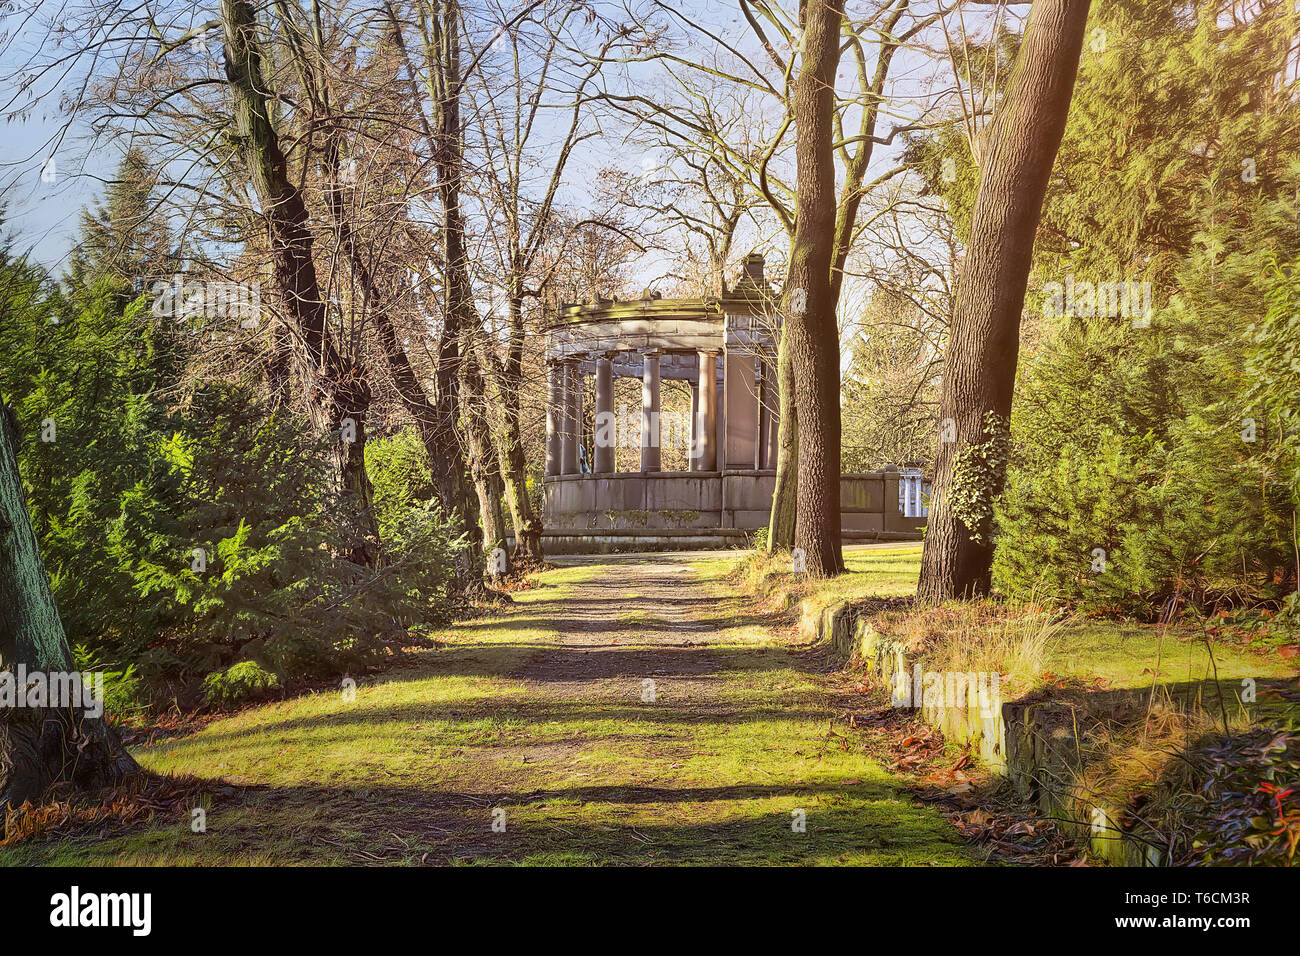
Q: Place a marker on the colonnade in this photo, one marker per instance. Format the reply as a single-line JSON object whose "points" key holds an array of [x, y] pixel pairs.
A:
{"points": [[751, 410]]}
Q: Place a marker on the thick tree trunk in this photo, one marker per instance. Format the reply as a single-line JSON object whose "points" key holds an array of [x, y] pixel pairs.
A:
{"points": [[781, 527], [40, 746], [337, 392], [984, 340], [809, 300]]}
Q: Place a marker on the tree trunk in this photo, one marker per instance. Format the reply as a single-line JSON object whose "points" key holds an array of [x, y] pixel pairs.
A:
{"points": [[40, 746], [809, 300], [437, 430], [514, 475], [459, 313], [483, 468], [436, 416], [510, 443], [337, 392], [351, 404], [781, 527], [984, 340]]}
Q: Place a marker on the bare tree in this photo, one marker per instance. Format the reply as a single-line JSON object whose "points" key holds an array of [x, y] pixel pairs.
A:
{"points": [[516, 109], [338, 390], [763, 61]]}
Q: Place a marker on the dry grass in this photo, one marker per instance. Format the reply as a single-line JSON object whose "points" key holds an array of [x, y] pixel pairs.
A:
{"points": [[1135, 764], [770, 582], [1013, 639], [773, 586]]}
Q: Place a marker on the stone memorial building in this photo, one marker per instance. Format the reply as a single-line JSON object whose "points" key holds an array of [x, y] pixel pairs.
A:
{"points": [[725, 348]]}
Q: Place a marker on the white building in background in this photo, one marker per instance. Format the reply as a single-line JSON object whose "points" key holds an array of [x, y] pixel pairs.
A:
{"points": [[913, 493]]}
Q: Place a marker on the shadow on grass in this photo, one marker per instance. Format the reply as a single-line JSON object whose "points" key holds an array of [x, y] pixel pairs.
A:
{"points": [[512, 710], [743, 824], [611, 615], [563, 663]]}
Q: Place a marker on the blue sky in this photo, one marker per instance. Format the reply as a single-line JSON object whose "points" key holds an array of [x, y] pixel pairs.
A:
{"points": [[42, 217]]}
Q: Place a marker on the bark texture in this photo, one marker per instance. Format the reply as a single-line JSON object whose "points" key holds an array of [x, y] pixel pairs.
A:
{"points": [[337, 391], [40, 746], [782, 530], [510, 442], [984, 338], [809, 295], [483, 465], [781, 525], [460, 319]]}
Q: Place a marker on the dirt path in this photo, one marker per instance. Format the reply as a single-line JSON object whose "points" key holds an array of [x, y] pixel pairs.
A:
{"points": [[623, 711], [704, 713], [634, 622]]}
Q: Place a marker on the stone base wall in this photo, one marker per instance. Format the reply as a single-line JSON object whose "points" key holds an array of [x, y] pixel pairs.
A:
{"points": [[659, 539], [708, 500], [1034, 743]]}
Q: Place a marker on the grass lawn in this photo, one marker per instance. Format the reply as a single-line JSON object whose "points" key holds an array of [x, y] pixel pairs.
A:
{"points": [[1117, 654], [538, 718], [526, 715]]}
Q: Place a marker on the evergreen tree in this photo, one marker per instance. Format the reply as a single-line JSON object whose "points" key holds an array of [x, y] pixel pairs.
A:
{"points": [[1143, 442], [125, 236]]}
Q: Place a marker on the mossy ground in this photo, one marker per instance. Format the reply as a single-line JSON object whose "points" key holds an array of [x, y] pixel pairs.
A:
{"points": [[541, 716]]}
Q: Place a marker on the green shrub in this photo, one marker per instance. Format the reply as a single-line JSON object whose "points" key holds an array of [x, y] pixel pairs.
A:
{"points": [[418, 552], [189, 528], [124, 694], [237, 683], [399, 472], [1164, 450], [1129, 481], [241, 548]]}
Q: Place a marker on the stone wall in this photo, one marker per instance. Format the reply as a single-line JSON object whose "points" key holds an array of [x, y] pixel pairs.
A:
{"points": [[1034, 743], [733, 499]]}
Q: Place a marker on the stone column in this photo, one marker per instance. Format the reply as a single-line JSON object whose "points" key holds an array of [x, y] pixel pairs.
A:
{"points": [[554, 417], [650, 410], [578, 419], [605, 440], [720, 436], [572, 417], [692, 452], [706, 424], [892, 519]]}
